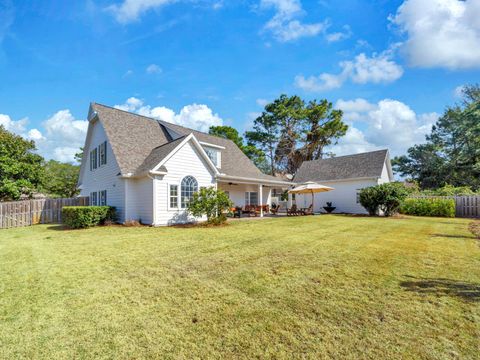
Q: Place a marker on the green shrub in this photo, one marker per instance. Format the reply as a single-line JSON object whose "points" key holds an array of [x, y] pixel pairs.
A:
{"points": [[428, 207], [78, 217], [370, 199], [385, 197], [210, 202]]}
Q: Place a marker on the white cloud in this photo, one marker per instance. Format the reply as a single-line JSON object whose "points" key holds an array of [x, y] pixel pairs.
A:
{"points": [[153, 69], [262, 102], [195, 116], [440, 33], [363, 69], [18, 126], [387, 124], [130, 10], [322, 82], [285, 25], [61, 138], [339, 36]]}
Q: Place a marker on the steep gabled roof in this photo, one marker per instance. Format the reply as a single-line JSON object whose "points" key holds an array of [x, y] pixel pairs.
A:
{"points": [[139, 143], [364, 165]]}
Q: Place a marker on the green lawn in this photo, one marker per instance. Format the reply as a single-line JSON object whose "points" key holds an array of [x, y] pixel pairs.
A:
{"points": [[300, 287]]}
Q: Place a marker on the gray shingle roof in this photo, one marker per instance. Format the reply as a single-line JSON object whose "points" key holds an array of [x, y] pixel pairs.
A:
{"points": [[139, 143], [157, 155], [364, 165]]}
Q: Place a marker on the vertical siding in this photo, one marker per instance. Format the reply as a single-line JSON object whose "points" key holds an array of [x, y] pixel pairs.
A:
{"points": [[186, 161], [104, 177]]}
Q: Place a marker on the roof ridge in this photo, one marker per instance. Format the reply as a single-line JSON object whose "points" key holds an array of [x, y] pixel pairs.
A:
{"points": [[349, 155], [153, 119]]}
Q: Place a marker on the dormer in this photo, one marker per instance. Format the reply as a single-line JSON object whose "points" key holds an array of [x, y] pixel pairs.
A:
{"points": [[214, 153]]}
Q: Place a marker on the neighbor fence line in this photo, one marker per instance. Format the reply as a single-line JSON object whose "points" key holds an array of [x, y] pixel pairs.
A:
{"points": [[38, 211], [465, 206]]}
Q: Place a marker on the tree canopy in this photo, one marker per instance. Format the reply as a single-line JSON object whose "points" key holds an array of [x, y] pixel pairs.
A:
{"points": [[21, 169], [61, 179], [289, 131], [451, 154], [255, 154]]}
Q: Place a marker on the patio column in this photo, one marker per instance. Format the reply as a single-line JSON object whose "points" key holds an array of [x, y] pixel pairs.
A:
{"points": [[260, 196]]}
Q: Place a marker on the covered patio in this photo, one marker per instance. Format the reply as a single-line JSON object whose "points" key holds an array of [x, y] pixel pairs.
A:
{"points": [[253, 197]]}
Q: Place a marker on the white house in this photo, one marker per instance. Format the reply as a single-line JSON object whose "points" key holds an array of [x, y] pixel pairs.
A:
{"points": [[148, 169], [347, 175]]}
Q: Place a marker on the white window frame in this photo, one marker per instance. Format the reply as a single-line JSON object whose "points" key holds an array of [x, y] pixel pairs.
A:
{"points": [[248, 198], [102, 152], [198, 188], [93, 198], [102, 198], [169, 196], [94, 159]]}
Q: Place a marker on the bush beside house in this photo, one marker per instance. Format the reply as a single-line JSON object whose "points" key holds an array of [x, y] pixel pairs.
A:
{"points": [[386, 197], [210, 202], [428, 207], [79, 217]]}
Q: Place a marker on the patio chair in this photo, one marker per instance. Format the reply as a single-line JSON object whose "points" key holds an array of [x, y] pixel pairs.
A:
{"points": [[275, 210], [293, 211], [309, 210]]}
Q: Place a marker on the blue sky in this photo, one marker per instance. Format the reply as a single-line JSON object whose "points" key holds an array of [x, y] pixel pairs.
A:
{"points": [[392, 66]]}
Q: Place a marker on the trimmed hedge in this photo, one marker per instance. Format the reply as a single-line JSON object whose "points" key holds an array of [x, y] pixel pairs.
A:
{"points": [[428, 207], [79, 217]]}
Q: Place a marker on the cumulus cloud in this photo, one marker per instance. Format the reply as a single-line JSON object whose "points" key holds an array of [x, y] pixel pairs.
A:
{"points": [[61, 138], [285, 24], [195, 116], [153, 69], [340, 35], [131, 10], [387, 124], [440, 33], [379, 68]]}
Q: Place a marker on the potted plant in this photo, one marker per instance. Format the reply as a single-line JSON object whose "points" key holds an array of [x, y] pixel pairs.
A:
{"points": [[329, 208]]}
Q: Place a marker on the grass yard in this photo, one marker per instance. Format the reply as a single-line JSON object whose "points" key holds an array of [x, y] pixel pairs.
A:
{"points": [[301, 287]]}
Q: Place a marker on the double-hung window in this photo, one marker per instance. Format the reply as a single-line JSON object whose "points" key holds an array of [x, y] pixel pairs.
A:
{"points": [[93, 159], [102, 151], [251, 198], [173, 196], [102, 195], [93, 199]]}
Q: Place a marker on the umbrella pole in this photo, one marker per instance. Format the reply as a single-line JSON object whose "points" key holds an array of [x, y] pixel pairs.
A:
{"points": [[313, 197]]}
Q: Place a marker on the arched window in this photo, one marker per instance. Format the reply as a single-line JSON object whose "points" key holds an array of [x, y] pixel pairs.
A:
{"points": [[188, 188]]}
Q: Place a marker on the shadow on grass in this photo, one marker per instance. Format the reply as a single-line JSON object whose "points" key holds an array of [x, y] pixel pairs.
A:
{"points": [[454, 236], [58, 227], [443, 287]]}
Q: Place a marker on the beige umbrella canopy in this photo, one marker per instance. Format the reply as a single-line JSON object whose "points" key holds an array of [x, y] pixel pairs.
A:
{"points": [[310, 187]]}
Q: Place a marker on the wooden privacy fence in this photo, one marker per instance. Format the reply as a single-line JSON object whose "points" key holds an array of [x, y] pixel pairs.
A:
{"points": [[465, 206], [31, 212]]}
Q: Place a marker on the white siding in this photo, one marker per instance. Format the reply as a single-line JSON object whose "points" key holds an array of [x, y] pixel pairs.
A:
{"points": [[385, 178], [140, 200], [237, 193], [344, 197], [105, 176], [186, 161]]}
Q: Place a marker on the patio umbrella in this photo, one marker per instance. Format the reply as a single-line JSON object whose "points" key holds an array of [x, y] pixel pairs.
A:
{"points": [[310, 187]]}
